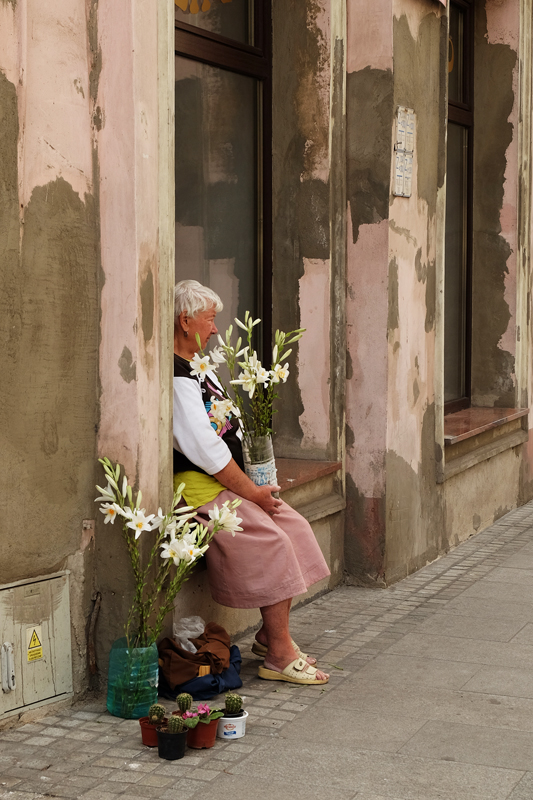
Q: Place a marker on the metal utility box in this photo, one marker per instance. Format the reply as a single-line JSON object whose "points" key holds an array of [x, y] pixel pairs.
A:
{"points": [[35, 650]]}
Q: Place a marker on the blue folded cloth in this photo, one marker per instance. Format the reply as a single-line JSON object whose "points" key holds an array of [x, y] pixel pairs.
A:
{"points": [[207, 686]]}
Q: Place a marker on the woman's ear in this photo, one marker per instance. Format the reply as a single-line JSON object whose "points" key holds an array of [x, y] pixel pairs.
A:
{"points": [[184, 322]]}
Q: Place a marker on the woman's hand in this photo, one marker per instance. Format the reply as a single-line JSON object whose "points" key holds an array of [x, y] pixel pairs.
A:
{"points": [[234, 479], [265, 499]]}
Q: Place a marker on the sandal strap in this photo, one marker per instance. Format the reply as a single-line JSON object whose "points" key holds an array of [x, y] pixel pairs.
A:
{"points": [[302, 666]]}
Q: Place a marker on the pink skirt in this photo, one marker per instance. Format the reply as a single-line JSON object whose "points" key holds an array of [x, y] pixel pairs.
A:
{"points": [[270, 560]]}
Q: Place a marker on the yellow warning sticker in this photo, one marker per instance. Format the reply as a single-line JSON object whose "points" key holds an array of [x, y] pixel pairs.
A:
{"points": [[34, 639]]}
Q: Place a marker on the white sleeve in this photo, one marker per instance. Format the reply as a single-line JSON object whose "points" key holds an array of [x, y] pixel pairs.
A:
{"points": [[193, 434]]}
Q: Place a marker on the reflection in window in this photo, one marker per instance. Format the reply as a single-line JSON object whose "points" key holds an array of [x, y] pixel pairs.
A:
{"points": [[230, 18], [456, 60], [456, 263], [458, 234], [217, 185]]}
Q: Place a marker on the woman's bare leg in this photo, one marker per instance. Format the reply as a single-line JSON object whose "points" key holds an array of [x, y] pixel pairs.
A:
{"points": [[278, 639], [261, 635]]}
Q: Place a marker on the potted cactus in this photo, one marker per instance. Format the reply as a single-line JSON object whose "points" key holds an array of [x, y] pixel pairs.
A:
{"points": [[232, 725], [233, 705], [172, 738], [184, 703], [156, 717]]}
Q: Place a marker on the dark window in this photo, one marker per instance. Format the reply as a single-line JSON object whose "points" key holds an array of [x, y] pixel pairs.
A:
{"points": [[223, 152], [458, 247]]}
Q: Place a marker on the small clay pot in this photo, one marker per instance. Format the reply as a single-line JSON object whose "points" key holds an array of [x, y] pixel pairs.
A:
{"points": [[171, 746], [149, 731], [203, 736]]}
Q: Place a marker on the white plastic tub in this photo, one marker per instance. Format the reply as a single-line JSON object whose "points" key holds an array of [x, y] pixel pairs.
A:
{"points": [[230, 728]]}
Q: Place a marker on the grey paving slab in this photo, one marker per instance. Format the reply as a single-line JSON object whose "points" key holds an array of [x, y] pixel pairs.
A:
{"points": [[364, 730], [14, 795], [524, 635], [472, 744], [502, 681], [521, 560], [98, 794], [454, 705], [497, 590], [524, 789], [391, 775], [490, 608], [241, 787], [456, 649], [473, 627], [512, 576], [405, 670], [112, 788]]}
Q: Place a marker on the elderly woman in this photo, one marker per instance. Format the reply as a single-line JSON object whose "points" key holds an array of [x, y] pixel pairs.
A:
{"points": [[276, 555]]}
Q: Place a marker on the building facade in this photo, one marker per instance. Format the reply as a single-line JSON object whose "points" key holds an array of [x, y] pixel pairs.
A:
{"points": [[359, 169]]}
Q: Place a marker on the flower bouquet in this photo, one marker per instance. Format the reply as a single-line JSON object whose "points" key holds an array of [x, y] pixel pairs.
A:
{"points": [[159, 573], [258, 383]]}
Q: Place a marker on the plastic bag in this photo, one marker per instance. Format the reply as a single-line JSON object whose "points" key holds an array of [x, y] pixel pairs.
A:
{"points": [[188, 628]]}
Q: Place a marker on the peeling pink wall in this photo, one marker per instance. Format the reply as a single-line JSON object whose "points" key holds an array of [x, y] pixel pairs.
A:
{"points": [[314, 363], [369, 35], [128, 160], [366, 391], [54, 109], [411, 348]]}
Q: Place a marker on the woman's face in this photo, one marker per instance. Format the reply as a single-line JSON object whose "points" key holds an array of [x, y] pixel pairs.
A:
{"points": [[203, 324]]}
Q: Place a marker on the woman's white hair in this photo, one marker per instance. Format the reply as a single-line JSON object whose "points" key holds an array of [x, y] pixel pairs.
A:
{"points": [[193, 298]]}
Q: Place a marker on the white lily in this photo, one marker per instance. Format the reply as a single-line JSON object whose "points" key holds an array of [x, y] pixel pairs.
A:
{"points": [[253, 363], [247, 381], [172, 549], [183, 549], [280, 373], [158, 519], [262, 375], [107, 494], [222, 409], [226, 519], [217, 356], [139, 522], [235, 411], [201, 366], [110, 512]]}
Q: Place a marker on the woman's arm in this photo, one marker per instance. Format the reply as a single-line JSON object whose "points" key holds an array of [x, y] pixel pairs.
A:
{"points": [[234, 479]]}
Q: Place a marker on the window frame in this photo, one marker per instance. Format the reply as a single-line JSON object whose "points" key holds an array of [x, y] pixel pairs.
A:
{"points": [[253, 61], [462, 113]]}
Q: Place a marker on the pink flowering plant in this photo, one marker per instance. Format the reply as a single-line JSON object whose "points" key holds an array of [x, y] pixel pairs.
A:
{"points": [[202, 713]]}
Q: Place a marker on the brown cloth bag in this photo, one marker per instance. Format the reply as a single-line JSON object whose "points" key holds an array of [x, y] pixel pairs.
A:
{"points": [[179, 666]]}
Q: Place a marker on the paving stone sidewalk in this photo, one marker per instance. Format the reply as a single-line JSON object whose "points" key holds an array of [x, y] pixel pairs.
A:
{"points": [[430, 698]]}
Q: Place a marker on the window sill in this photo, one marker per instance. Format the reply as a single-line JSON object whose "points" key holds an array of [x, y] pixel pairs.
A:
{"points": [[476, 434], [310, 487]]}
